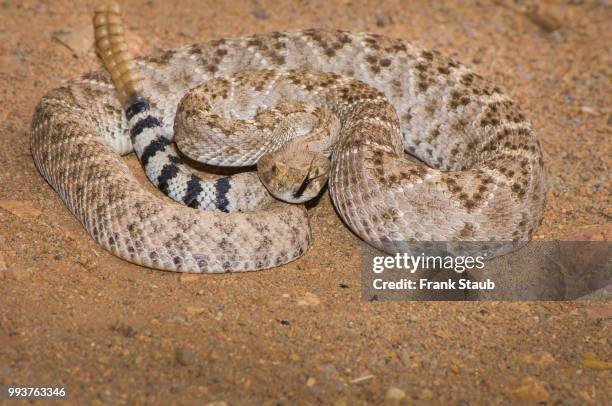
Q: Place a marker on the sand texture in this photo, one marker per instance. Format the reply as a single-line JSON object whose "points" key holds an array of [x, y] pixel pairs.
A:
{"points": [[116, 333]]}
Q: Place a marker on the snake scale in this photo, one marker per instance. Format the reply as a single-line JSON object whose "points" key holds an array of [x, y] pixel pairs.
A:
{"points": [[414, 147]]}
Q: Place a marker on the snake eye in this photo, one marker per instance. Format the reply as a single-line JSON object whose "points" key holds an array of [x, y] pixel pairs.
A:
{"points": [[274, 169]]}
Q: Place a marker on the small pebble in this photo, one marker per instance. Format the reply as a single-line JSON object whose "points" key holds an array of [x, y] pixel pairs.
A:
{"points": [[185, 356], [383, 20], [530, 391], [125, 329], [426, 394], [395, 394], [545, 21], [3, 267], [589, 110], [259, 12], [309, 299], [194, 311]]}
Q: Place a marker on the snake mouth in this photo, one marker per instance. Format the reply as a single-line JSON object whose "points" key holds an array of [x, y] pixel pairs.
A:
{"points": [[300, 191], [308, 179]]}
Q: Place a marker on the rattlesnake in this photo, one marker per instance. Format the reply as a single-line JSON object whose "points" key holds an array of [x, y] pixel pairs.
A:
{"points": [[478, 172]]}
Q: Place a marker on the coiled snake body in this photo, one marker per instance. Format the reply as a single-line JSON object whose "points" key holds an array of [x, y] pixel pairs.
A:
{"points": [[479, 173]]}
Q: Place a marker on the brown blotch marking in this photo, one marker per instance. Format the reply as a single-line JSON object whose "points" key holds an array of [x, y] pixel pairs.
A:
{"points": [[467, 230], [459, 125], [344, 38], [371, 59], [422, 86], [194, 50], [421, 67], [452, 185], [430, 108], [487, 180], [372, 42], [503, 134], [419, 171], [163, 58], [467, 79], [523, 221], [457, 98], [109, 108], [476, 91], [435, 133], [427, 55], [254, 42], [378, 158], [397, 86], [518, 190], [399, 47], [278, 59], [443, 70]]}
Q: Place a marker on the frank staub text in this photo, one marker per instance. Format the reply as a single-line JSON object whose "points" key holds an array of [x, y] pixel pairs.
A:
{"points": [[413, 263]]}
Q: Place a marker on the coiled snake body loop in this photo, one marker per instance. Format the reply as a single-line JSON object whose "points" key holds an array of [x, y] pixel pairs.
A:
{"points": [[479, 174]]}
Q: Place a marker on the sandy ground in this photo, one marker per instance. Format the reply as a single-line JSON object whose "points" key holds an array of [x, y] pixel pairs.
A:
{"points": [[116, 333]]}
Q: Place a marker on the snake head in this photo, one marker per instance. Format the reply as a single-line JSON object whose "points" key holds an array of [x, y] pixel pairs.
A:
{"points": [[296, 178]]}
